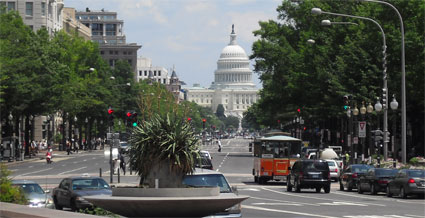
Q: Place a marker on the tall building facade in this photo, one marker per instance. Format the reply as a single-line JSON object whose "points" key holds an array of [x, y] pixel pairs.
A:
{"points": [[72, 26], [232, 87], [38, 13], [108, 31], [145, 70]]}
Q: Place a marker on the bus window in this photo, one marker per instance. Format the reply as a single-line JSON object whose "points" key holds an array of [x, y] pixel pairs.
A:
{"points": [[295, 149]]}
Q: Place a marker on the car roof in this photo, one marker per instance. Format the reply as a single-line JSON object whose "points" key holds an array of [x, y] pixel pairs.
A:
{"points": [[311, 160], [83, 177], [23, 181]]}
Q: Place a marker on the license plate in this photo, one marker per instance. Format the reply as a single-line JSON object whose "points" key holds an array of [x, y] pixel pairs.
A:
{"points": [[315, 176]]}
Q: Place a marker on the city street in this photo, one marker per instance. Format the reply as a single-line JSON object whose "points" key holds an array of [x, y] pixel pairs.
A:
{"points": [[270, 200]]}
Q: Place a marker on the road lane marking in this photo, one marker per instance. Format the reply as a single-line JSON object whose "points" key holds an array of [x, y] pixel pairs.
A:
{"points": [[278, 204], [222, 162], [72, 170], [30, 166], [283, 211], [34, 172], [282, 201], [311, 197]]}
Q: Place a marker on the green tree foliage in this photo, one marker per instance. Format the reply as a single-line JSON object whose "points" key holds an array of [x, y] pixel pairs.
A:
{"points": [[345, 59], [220, 111], [8, 193], [231, 122]]}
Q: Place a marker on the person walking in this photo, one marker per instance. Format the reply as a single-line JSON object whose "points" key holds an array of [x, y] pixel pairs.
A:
{"points": [[122, 163], [68, 147], [219, 145]]}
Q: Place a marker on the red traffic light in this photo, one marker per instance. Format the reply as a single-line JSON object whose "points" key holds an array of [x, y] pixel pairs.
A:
{"points": [[204, 120], [110, 111], [129, 114], [298, 110], [189, 119]]}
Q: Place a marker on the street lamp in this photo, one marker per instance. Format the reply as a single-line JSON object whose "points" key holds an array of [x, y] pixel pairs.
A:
{"points": [[403, 80], [13, 142], [329, 23], [384, 76], [394, 106]]}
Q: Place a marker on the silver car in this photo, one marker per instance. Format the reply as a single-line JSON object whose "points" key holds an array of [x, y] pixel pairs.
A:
{"points": [[35, 195], [333, 169]]}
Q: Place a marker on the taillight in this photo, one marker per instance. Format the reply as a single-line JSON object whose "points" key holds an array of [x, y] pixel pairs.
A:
{"points": [[411, 181], [382, 181], [336, 170], [354, 175]]}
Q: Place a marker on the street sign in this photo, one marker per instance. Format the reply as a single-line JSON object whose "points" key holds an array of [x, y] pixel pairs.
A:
{"points": [[355, 140], [362, 129]]}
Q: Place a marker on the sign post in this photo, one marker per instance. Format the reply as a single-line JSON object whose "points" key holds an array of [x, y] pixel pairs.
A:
{"points": [[362, 129]]}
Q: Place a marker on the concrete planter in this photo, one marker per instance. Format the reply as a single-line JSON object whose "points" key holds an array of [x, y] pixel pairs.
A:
{"points": [[165, 192], [166, 202]]}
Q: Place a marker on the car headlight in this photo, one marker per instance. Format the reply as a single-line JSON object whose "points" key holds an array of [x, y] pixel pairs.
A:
{"points": [[49, 201], [79, 198]]}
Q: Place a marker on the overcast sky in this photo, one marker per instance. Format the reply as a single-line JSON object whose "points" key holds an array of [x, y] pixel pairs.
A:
{"points": [[188, 34]]}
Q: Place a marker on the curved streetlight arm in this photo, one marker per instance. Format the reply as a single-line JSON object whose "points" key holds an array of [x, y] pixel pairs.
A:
{"points": [[329, 23], [403, 80]]}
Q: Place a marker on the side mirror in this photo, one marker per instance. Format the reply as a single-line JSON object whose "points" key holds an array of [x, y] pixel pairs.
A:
{"points": [[235, 190]]}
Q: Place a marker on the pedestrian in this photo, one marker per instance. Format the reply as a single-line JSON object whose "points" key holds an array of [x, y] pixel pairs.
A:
{"points": [[122, 163], [219, 145], [68, 147]]}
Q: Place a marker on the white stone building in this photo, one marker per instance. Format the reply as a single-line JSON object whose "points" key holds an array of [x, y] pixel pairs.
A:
{"points": [[38, 13], [145, 68], [232, 87]]}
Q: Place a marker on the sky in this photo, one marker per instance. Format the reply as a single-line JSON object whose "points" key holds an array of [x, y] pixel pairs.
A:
{"points": [[187, 34]]}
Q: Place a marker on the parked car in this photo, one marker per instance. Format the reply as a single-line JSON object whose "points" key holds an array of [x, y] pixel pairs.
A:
{"points": [[375, 180], [334, 169], [71, 191], [124, 146], [204, 162], [349, 177], [309, 174], [206, 154], [205, 178], [407, 182], [35, 195]]}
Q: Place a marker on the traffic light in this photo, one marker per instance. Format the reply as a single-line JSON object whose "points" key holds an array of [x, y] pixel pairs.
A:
{"points": [[378, 136], [134, 119], [111, 116], [203, 123], [346, 101], [189, 119], [299, 110]]}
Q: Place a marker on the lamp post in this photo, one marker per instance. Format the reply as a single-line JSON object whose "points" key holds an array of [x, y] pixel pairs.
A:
{"points": [[86, 134], [384, 76], [403, 80], [363, 111], [356, 135], [369, 110], [12, 145], [394, 106], [75, 134]]}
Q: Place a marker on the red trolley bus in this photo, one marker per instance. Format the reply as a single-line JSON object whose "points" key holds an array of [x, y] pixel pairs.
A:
{"points": [[273, 155]]}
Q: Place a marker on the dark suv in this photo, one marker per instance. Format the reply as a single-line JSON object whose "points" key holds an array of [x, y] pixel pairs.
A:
{"points": [[313, 174]]}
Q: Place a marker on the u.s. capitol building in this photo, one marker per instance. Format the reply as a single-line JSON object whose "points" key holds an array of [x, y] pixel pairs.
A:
{"points": [[233, 86]]}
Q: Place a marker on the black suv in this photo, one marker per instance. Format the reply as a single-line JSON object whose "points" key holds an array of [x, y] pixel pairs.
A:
{"points": [[313, 174]]}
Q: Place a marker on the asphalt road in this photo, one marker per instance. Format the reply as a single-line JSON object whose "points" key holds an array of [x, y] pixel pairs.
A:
{"points": [[270, 200]]}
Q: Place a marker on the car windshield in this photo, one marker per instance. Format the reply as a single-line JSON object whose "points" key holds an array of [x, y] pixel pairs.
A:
{"points": [[207, 180], [31, 188], [385, 172], [361, 169], [416, 173], [316, 166], [80, 184]]}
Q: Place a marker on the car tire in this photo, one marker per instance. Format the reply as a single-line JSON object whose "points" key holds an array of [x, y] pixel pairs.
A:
{"points": [[288, 185], [349, 187], [373, 189], [57, 205], [403, 193], [73, 205], [341, 186], [388, 192], [297, 187], [327, 188], [318, 190], [359, 189]]}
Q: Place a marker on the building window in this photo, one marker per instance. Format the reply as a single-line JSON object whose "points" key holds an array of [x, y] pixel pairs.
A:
{"points": [[226, 101], [31, 27], [154, 73], [111, 52], [130, 53], [102, 52], [140, 73], [124, 52], [97, 29], [43, 9], [116, 52], [159, 73], [129, 61], [11, 6], [28, 8], [111, 29], [111, 62], [146, 73], [165, 81]]}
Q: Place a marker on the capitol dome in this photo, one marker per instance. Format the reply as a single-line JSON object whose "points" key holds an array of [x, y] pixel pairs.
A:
{"points": [[233, 67]]}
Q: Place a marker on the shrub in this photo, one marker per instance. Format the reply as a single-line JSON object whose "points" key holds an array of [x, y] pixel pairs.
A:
{"points": [[8, 193], [414, 161]]}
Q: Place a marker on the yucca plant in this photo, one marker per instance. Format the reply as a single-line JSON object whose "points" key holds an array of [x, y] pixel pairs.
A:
{"points": [[165, 148]]}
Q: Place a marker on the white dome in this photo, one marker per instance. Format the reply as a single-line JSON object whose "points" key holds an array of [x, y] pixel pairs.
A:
{"points": [[233, 51]]}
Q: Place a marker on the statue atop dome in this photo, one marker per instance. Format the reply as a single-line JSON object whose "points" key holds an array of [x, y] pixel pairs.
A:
{"points": [[233, 29], [233, 36]]}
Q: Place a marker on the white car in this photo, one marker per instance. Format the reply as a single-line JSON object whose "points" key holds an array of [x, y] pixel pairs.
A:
{"points": [[334, 169], [205, 154]]}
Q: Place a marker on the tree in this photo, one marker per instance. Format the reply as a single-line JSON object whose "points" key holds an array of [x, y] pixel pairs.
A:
{"points": [[164, 145], [9, 193], [220, 111]]}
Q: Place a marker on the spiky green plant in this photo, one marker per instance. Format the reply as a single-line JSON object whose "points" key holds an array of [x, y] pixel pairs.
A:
{"points": [[165, 148]]}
